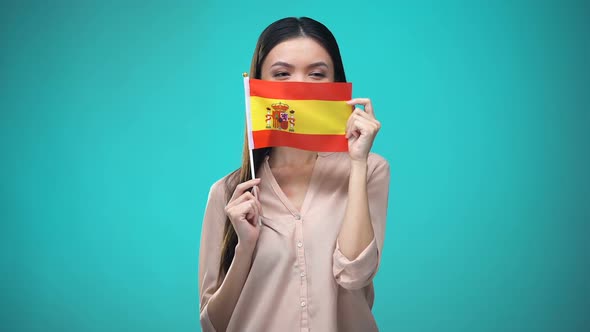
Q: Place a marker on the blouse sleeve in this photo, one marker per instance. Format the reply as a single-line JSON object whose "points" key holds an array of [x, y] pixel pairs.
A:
{"points": [[359, 273], [210, 250]]}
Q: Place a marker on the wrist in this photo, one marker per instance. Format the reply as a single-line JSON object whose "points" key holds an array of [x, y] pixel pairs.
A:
{"points": [[358, 164], [244, 250]]}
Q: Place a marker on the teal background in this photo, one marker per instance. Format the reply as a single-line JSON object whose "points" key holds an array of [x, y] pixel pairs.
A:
{"points": [[116, 117]]}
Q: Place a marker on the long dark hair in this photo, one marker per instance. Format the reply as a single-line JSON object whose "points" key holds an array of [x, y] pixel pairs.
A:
{"points": [[274, 34]]}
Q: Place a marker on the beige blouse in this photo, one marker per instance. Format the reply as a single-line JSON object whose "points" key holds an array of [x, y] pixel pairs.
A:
{"points": [[299, 279]]}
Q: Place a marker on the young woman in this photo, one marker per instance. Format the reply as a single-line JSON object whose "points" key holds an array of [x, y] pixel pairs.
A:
{"points": [[309, 264]]}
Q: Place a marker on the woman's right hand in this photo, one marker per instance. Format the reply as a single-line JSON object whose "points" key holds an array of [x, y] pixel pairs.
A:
{"points": [[244, 210]]}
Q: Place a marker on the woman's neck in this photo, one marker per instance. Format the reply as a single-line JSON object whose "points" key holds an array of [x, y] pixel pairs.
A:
{"points": [[290, 157]]}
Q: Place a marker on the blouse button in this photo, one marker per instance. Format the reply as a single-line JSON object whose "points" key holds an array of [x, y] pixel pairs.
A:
{"points": [[303, 303], [297, 217], [299, 244], [302, 274]]}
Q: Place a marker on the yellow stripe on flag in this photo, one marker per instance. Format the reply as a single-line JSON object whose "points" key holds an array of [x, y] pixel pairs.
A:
{"points": [[302, 116]]}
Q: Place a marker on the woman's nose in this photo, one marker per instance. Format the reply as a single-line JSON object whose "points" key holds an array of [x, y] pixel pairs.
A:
{"points": [[298, 77]]}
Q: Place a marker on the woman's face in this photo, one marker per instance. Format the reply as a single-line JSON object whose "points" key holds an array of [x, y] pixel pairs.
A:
{"points": [[299, 59]]}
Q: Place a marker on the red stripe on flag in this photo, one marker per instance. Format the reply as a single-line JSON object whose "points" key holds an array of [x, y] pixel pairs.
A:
{"points": [[334, 91], [320, 143]]}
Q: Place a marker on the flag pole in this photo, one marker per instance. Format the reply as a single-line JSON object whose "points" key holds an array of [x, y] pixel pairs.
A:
{"points": [[249, 123], [249, 133]]}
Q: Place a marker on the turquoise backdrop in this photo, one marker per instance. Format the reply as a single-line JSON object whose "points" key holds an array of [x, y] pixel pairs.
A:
{"points": [[116, 117]]}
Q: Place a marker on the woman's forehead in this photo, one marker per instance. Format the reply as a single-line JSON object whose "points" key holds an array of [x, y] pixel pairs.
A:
{"points": [[298, 51]]}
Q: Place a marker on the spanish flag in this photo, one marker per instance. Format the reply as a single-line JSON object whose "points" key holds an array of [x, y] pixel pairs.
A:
{"points": [[308, 116]]}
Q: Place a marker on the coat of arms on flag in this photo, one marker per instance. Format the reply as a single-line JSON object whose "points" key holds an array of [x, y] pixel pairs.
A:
{"points": [[278, 116]]}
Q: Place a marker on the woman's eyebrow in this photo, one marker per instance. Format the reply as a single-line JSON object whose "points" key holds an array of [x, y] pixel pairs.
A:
{"points": [[282, 64], [288, 65], [318, 64]]}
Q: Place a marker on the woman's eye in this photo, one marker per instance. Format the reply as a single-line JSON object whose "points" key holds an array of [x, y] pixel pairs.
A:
{"points": [[318, 75], [280, 74]]}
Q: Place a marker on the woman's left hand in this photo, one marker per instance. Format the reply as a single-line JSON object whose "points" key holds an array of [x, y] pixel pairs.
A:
{"points": [[361, 129]]}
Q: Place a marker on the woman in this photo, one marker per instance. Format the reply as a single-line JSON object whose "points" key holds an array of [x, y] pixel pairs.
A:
{"points": [[309, 264]]}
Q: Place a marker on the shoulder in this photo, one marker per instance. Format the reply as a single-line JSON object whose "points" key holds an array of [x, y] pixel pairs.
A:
{"points": [[378, 167], [218, 190], [377, 160]]}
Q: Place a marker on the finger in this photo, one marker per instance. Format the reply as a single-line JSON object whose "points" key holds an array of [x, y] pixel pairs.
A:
{"points": [[366, 102], [259, 207], [354, 130], [242, 198], [255, 190], [250, 210], [255, 208], [350, 121], [256, 193], [353, 127], [239, 202], [242, 187], [367, 127], [367, 117], [347, 129], [363, 114], [245, 211], [361, 125]]}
